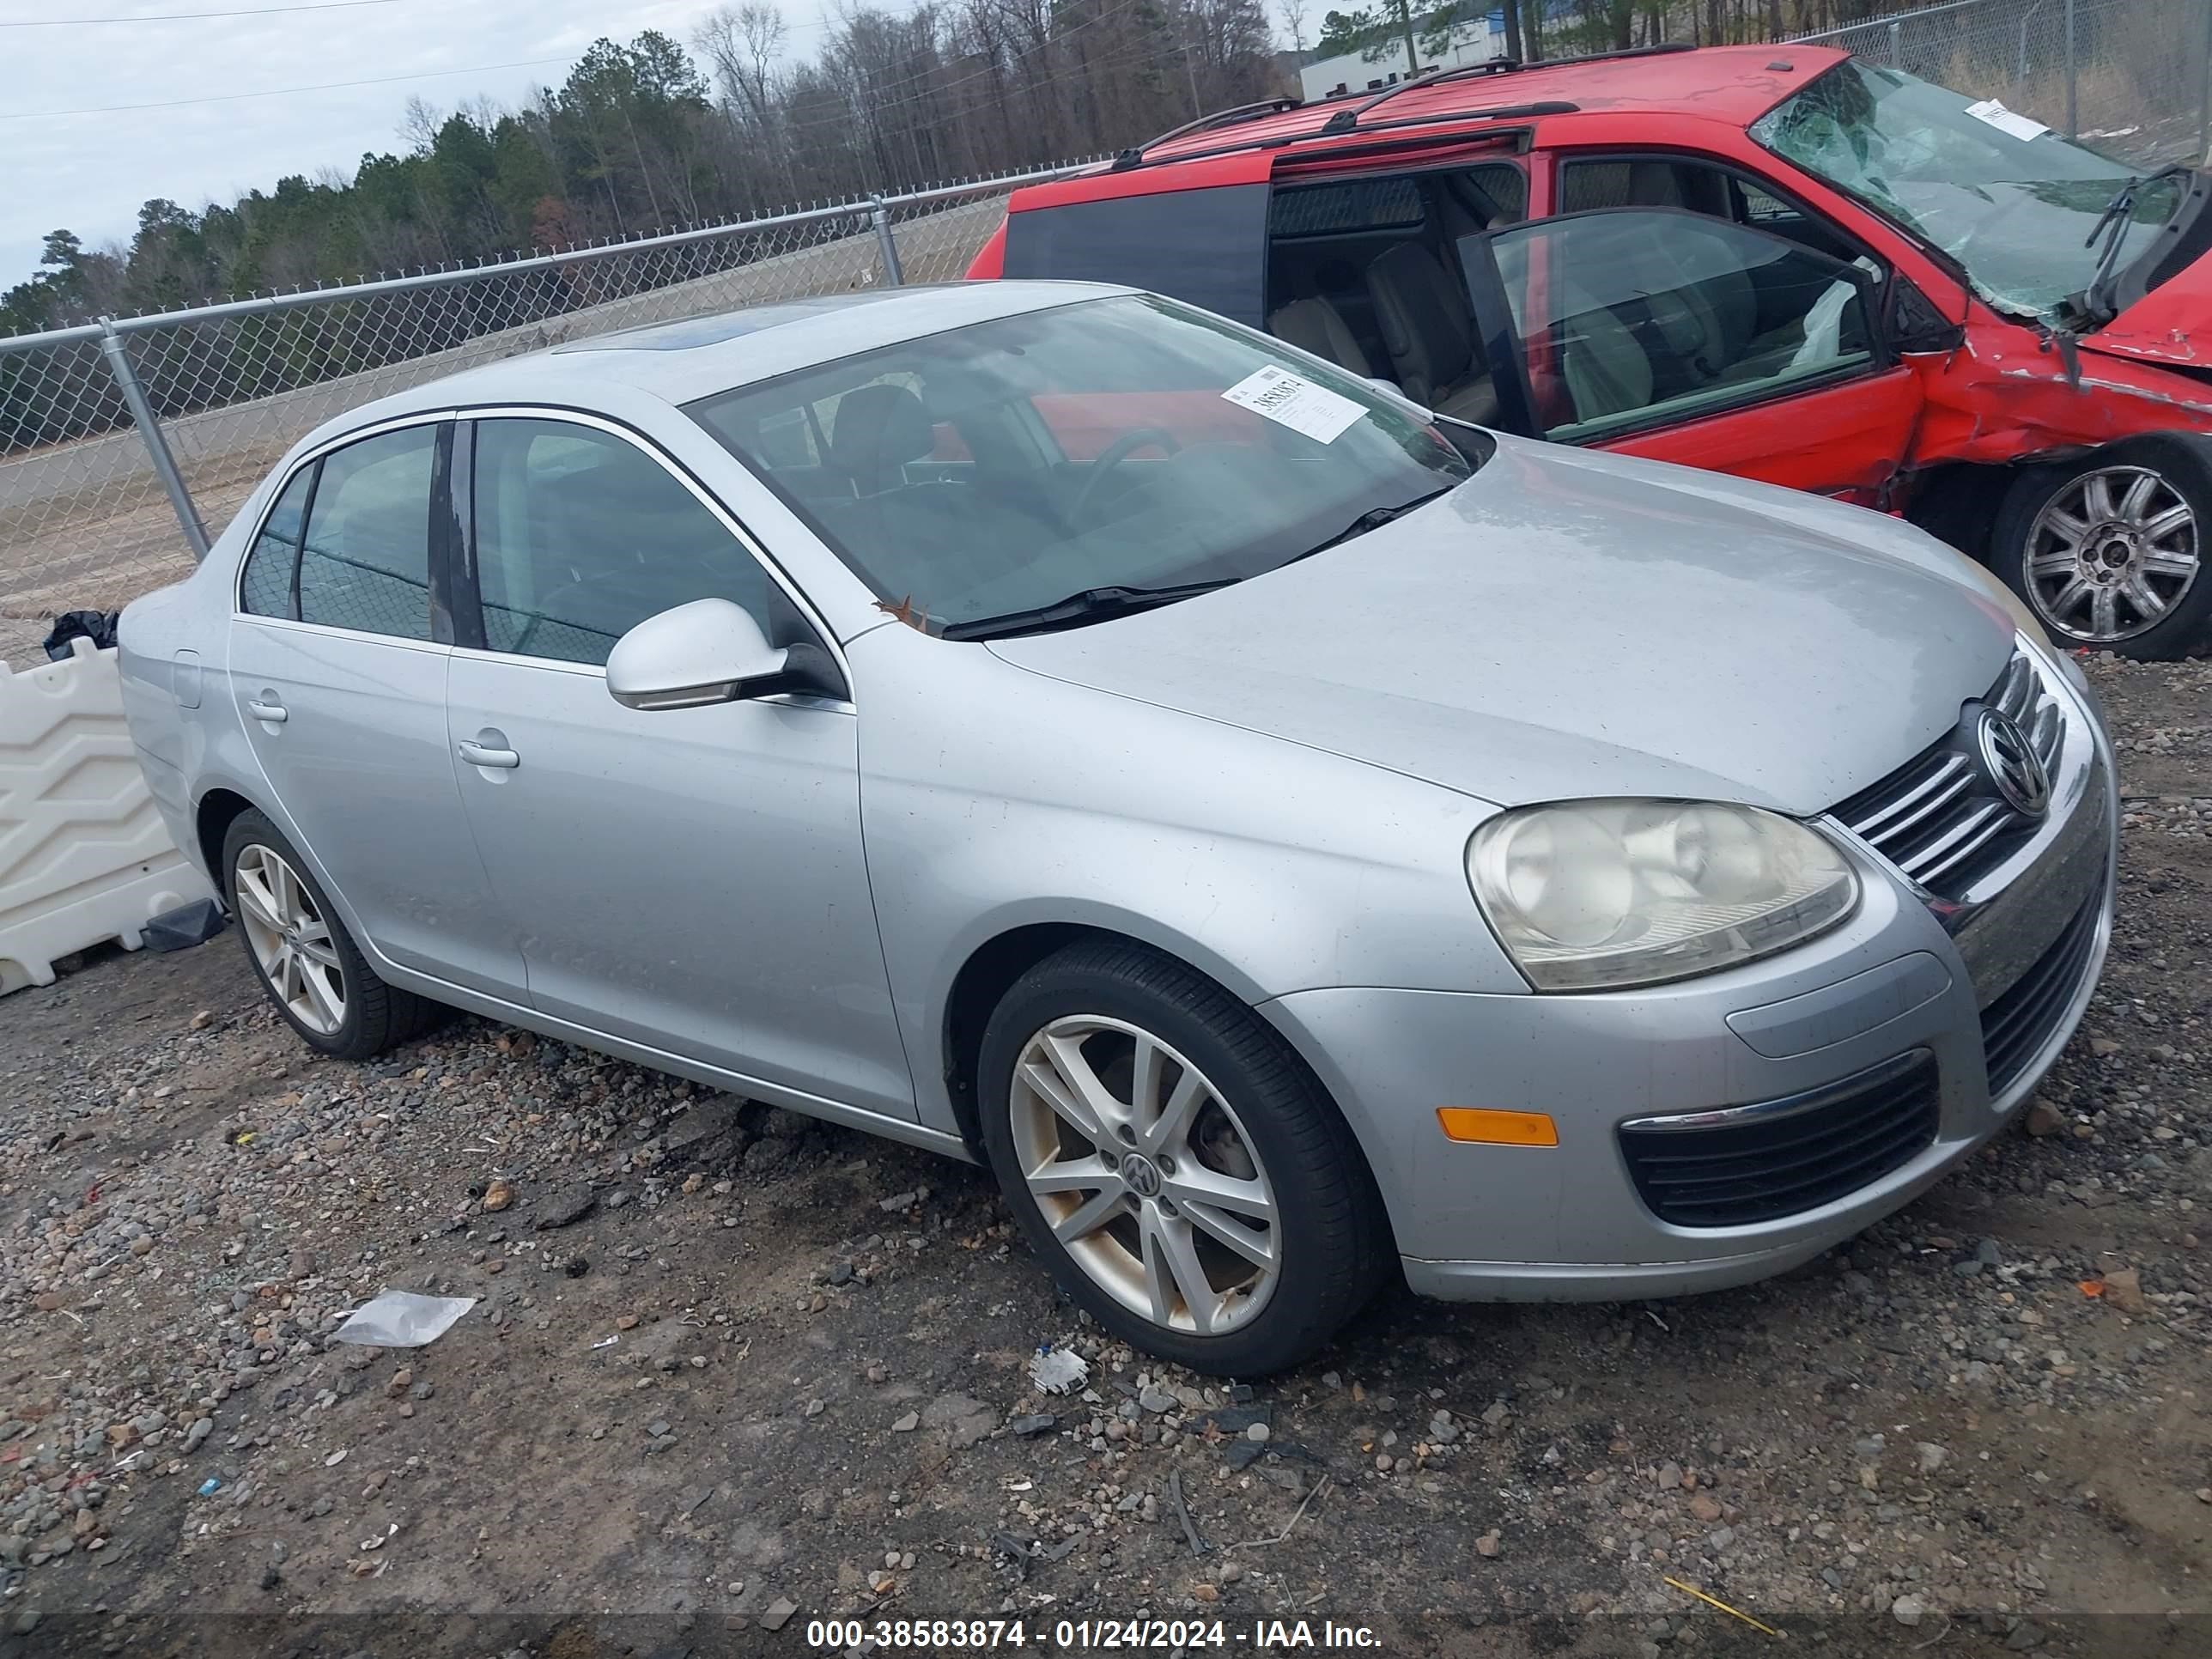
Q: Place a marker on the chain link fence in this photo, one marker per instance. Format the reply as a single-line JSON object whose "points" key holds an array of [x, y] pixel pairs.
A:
{"points": [[127, 446], [2131, 77]]}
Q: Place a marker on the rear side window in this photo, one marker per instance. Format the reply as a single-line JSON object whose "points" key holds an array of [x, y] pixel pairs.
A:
{"points": [[265, 589], [1665, 181], [581, 536], [1647, 182], [1208, 246], [1351, 204], [365, 563]]}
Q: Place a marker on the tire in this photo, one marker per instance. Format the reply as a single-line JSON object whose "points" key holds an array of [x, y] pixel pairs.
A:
{"points": [[371, 1017], [1253, 1120], [2086, 542]]}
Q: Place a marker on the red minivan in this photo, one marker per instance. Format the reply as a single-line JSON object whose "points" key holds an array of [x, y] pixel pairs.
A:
{"points": [[1781, 262]]}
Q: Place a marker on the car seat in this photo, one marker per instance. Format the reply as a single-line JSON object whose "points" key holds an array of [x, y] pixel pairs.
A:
{"points": [[876, 431], [1423, 317], [1314, 325], [1705, 321]]}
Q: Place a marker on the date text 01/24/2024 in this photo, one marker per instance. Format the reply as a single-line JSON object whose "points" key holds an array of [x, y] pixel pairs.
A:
{"points": [[1086, 1635]]}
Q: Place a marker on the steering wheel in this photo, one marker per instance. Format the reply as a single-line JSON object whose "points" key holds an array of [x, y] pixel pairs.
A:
{"points": [[1142, 437]]}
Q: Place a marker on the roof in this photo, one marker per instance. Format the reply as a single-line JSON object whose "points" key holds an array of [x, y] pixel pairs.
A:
{"points": [[688, 332], [676, 362], [1733, 85]]}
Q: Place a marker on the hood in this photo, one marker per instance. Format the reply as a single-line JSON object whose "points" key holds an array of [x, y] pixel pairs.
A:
{"points": [[2171, 325], [1571, 624]]}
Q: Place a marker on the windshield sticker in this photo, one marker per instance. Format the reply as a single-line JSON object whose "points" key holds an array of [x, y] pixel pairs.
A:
{"points": [[1299, 405], [1992, 113]]}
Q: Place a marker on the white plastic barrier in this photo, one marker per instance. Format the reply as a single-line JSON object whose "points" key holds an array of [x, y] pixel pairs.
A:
{"points": [[84, 855]]}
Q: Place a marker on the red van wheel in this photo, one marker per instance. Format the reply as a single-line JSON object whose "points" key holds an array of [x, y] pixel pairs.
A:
{"points": [[2108, 550]]}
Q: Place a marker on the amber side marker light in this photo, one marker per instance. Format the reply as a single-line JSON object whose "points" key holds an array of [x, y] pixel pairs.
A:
{"points": [[1489, 1129]]}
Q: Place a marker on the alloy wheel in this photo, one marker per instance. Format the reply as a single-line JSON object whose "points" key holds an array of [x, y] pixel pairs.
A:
{"points": [[290, 939], [2111, 554], [1144, 1175]]}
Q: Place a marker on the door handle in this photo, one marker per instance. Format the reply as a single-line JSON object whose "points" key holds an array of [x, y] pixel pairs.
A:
{"points": [[476, 755], [275, 713]]}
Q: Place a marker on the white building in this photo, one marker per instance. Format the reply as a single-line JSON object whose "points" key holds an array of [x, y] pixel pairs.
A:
{"points": [[1349, 72]]}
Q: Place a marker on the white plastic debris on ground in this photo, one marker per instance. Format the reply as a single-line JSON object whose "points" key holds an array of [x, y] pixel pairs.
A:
{"points": [[84, 855], [1057, 1371], [402, 1319]]}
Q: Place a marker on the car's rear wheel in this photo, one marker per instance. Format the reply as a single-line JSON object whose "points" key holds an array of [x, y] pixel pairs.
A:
{"points": [[1174, 1164], [2108, 550], [303, 956]]}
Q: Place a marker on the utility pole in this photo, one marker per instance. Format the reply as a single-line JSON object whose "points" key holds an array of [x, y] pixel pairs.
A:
{"points": [[1412, 52], [1191, 41]]}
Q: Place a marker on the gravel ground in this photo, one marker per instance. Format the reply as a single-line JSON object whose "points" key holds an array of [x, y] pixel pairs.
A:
{"points": [[730, 1371]]}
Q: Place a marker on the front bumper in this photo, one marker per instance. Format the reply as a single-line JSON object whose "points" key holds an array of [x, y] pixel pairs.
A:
{"points": [[1567, 1223]]}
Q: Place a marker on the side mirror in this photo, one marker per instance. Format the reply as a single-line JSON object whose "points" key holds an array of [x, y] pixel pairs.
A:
{"points": [[707, 652], [1913, 323]]}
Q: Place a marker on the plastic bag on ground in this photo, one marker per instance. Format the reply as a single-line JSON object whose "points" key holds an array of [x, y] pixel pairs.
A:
{"points": [[184, 926], [401, 1319], [98, 626]]}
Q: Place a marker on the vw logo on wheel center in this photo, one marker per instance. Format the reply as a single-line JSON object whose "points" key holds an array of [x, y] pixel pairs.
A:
{"points": [[2012, 763], [1142, 1176]]}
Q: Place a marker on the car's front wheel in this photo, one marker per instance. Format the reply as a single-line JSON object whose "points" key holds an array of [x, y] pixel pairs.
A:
{"points": [[1174, 1164], [302, 954], [2108, 549]]}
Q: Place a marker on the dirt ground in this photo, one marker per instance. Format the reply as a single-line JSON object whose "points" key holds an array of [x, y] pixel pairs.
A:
{"points": [[775, 1373]]}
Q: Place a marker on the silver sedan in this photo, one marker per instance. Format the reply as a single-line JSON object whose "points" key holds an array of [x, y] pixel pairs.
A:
{"points": [[1291, 839]]}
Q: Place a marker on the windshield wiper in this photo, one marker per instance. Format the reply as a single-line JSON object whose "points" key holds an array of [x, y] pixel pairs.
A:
{"points": [[2112, 225], [1091, 605], [1374, 519], [1096, 603]]}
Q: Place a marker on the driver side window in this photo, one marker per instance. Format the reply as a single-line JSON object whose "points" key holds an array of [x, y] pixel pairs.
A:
{"points": [[1630, 316], [580, 535]]}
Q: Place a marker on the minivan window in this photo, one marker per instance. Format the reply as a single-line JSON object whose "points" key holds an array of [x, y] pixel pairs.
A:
{"points": [[1208, 246], [365, 562], [1126, 441], [1631, 314]]}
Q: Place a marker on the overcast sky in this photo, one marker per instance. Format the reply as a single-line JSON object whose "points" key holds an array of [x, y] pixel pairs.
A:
{"points": [[89, 172]]}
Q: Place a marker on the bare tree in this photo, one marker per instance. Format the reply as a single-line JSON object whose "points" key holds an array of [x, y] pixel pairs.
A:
{"points": [[744, 43], [1294, 19], [419, 126]]}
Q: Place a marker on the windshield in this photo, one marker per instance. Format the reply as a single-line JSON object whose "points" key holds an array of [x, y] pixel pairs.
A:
{"points": [[2007, 198], [1120, 442]]}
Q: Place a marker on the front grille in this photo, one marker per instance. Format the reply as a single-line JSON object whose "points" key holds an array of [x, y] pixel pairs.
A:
{"points": [[1938, 817], [1786, 1156], [2020, 1022]]}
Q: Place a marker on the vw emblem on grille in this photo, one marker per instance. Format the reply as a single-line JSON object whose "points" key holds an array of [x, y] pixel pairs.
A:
{"points": [[2012, 764]]}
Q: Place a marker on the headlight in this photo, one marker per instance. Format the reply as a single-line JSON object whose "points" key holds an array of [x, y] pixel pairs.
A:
{"points": [[1594, 895]]}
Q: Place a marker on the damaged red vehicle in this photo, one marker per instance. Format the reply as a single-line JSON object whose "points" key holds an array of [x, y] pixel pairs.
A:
{"points": [[1779, 262]]}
